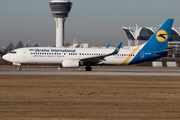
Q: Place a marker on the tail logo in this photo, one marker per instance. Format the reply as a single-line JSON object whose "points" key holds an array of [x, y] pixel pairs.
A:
{"points": [[117, 49], [162, 36]]}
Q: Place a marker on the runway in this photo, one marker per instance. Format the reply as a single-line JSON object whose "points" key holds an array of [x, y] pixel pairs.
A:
{"points": [[136, 71]]}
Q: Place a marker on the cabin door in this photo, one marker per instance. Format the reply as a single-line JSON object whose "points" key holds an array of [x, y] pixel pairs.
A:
{"points": [[24, 53]]}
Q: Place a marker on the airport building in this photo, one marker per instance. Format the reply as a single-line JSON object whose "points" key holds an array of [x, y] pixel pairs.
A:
{"points": [[139, 35], [142, 34], [79, 45], [60, 10]]}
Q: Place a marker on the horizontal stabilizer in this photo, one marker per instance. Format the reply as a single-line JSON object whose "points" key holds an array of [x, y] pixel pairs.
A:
{"points": [[162, 52]]}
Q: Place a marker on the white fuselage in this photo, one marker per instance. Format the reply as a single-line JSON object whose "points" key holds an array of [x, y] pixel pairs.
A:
{"points": [[53, 55]]}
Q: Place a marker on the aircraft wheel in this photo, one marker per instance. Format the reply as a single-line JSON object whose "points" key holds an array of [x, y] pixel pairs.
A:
{"points": [[20, 68], [88, 68]]}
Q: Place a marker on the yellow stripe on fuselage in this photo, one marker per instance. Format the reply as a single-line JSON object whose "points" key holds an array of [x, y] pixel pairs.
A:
{"points": [[125, 61]]}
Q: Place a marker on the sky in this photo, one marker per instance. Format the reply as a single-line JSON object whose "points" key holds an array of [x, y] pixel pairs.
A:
{"points": [[97, 22]]}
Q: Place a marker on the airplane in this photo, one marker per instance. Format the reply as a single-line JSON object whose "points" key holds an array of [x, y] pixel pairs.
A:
{"points": [[153, 49], [108, 46]]}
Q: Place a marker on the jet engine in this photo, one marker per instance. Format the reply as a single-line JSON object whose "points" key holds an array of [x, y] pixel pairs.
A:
{"points": [[70, 63]]}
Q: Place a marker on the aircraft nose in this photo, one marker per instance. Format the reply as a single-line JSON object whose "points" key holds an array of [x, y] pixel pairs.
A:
{"points": [[5, 57]]}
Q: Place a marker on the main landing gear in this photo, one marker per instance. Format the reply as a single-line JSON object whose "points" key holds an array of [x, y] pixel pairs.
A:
{"points": [[88, 68], [20, 68]]}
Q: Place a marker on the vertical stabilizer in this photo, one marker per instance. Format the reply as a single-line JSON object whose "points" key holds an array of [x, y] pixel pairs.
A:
{"points": [[158, 42]]}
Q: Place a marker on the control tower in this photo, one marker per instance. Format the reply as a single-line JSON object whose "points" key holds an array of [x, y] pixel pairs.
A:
{"points": [[60, 10]]}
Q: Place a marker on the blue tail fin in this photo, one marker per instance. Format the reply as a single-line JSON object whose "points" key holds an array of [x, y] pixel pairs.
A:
{"points": [[108, 46], [158, 42]]}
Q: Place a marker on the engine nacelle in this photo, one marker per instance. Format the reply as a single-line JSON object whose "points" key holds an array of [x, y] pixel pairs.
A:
{"points": [[70, 63], [17, 64]]}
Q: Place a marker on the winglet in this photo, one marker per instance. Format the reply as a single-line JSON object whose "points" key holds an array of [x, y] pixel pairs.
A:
{"points": [[108, 46], [116, 51]]}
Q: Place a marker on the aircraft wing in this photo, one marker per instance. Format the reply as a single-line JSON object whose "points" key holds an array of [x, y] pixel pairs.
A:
{"points": [[96, 59]]}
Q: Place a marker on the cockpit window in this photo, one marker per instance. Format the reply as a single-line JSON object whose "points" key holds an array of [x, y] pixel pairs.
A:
{"points": [[13, 52]]}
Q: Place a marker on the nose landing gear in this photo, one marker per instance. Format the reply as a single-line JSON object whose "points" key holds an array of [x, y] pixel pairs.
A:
{"points": [[18, 65]]}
